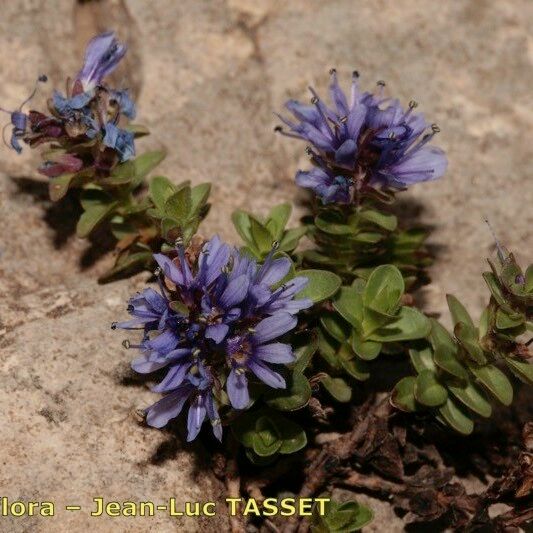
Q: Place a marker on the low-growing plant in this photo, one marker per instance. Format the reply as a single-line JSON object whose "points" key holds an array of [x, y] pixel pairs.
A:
{"points": [[268, 340]]}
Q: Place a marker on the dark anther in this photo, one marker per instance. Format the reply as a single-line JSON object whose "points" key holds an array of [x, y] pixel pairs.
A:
{"points": [[130, 308], [355, 73], [381, 83], [435, 128], [275, 245], [278, 129], [157, 271], [43, 78], [126, 343], [113, 325], [314, 100], [344, 119], [332, 71], [308, 150], [413, 104]]}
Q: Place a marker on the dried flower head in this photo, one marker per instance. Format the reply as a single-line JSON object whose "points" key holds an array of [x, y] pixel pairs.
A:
{"points": [[84, 124]]}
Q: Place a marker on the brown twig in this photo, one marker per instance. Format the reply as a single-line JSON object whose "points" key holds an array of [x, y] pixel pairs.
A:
{"points": [[233, 487]]}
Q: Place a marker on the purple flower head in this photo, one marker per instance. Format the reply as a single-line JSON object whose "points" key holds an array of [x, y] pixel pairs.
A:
{"points": [[102, 56], [367, 138], [214, 323]]}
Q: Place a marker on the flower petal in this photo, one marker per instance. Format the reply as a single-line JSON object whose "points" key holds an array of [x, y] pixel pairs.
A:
{"points": [[168, 407], [196, 417], [273, 326], [216, 332], [275, 352], [267, 375], [237, 387], [235, 292], [174, 377]]}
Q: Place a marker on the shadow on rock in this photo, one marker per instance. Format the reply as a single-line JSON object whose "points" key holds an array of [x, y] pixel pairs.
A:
{"points": [[62, 216]]}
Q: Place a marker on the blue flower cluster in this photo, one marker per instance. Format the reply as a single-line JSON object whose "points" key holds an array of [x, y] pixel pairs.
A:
{"points": [[367, 140], [89, 111], [214, 323]]}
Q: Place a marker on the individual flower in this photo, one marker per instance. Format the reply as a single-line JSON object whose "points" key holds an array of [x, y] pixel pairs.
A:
{"points": [[197, 389], [19, 120], [216, 320], [102, 56], [368, 139], [326, 185], [251, 351], [121, 141]]}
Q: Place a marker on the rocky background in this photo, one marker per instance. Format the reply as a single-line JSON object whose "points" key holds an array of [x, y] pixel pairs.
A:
{"points": [[207, 76]]}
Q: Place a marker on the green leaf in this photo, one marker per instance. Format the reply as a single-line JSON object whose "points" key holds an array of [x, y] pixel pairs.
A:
{"points": [[178, 206], [456, 417], [327, 347], [439, 336], [305, 345], [58, 187], [348, 302], [291, 238], [428, 391], [422, 359], [508, 321], [321, 285], [277, 220], [522, 370], [266, 439], [260, 461], [338, 328], [473, 398], [261, 236], [468, 339], [384, 288], [529, 279], [403, 394], [495, 381], [161, 189], [358, 369], [293, 436], [241, 221], [449, 363], [295, 396], [338, 388], [383, 220], [324, 222], [138, 129], [92, 217], [366, 350], [244, 428], [146, 162], [340, 518], [199, 196], [411, 324], [458, 312]]}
